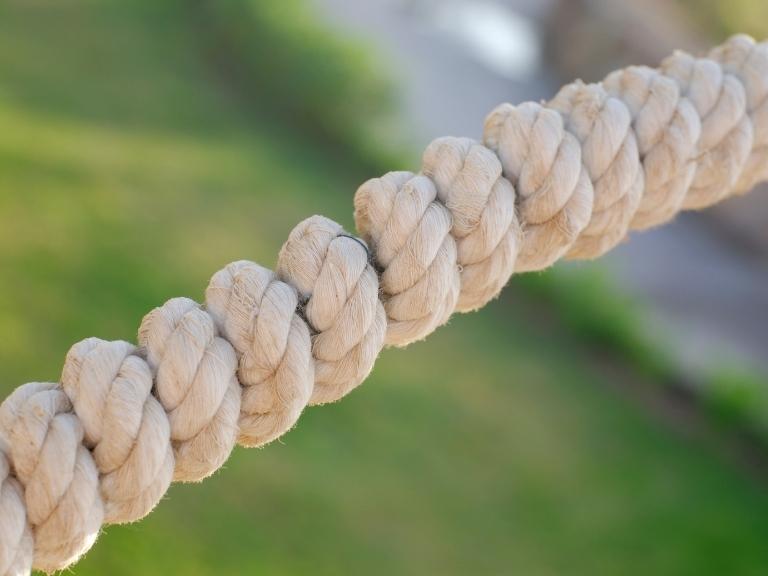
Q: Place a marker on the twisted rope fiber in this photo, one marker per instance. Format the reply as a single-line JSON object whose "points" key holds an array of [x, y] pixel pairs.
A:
{"points": [[568, 178]]}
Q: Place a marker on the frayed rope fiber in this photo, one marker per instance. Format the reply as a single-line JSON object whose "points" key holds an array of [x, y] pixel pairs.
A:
{"points": [[564, 179]]}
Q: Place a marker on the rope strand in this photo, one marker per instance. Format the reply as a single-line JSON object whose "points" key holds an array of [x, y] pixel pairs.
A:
{"points": [[568, 178]]}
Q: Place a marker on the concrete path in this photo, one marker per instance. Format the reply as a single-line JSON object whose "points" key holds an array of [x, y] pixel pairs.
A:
{"points": [[455, 60]]}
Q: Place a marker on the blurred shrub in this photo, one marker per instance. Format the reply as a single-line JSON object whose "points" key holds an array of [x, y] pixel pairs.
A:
{"points": [[738, 397], [601, 316], [592, 307], [288, 62]]}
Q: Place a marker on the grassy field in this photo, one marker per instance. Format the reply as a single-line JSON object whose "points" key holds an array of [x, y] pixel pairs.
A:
{"points": [[129, 173]]}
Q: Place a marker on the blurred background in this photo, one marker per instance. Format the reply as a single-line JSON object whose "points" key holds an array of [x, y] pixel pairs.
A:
{"points": [[602, 418]]}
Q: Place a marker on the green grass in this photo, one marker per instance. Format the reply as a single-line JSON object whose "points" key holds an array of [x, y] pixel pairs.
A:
{"points": [[128, 175]]}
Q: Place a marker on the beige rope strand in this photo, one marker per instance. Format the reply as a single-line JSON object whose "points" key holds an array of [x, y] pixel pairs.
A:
{"points": [[568, 178]]}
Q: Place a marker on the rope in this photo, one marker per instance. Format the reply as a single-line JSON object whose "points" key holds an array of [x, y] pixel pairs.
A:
{"points": [[568, 178]]}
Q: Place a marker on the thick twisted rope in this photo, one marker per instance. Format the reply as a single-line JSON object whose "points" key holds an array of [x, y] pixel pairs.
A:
{"points": [[568, 178]]}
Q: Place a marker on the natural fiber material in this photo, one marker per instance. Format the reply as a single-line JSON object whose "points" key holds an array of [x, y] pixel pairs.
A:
{"points": [[568, 178], [257, 313]]}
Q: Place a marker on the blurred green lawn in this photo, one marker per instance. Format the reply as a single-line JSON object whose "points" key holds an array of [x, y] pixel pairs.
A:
{"points": [[129, 174]]}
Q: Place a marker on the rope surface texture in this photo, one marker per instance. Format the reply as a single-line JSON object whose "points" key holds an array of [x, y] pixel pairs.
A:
{"points": [[564, 179]]}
